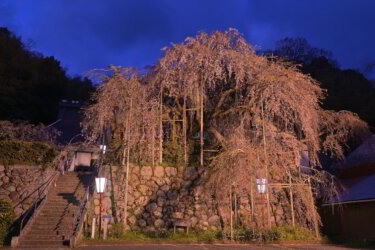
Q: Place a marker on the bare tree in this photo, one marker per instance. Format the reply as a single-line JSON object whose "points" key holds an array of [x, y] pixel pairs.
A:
{"points": [[258, 113], [126, 107], [250, 100]]}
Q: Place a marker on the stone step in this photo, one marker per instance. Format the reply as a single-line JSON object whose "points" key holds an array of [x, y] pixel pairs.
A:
{"points": [[63, 230], [47, 237], [51, 220], [52, 227], [66, 185], [54, 223], [67, 181], [44, 243], [53, 217], [65, 190], [54, 213], [63, 195], [62, 202], [56, 207]]}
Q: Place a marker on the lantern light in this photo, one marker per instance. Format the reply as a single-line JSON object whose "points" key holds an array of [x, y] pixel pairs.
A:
{"points": [[103, 148], [100, 184], [261, 185]]}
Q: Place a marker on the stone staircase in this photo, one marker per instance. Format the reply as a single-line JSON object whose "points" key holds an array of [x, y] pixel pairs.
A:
{"points": [[53, 226]]}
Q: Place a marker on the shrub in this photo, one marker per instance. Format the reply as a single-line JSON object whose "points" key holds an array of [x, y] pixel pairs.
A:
{"points": [[22, 152], [7, 217], [208, 235], [274, 234], [117, 230], [159, 234], [292, 233], [27, 132]]}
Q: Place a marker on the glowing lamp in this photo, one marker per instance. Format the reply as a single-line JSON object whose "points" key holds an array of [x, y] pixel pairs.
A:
{"points": [[100, 184], [261, 185], [103, 148]]}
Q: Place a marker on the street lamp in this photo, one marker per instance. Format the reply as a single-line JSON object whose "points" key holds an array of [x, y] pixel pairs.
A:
{"points": [[261, 185], [100, 187], [103, 148]]}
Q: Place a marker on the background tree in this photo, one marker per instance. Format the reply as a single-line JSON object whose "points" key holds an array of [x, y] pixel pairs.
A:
{"points": [[345, 89], [32, 85], [300, 51]]}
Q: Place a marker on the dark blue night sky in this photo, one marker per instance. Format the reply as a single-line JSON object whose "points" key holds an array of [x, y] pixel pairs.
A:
{"points": [[87, 34]]}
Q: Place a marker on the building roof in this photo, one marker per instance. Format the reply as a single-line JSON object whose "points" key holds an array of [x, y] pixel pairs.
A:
{"points": [[357, 189], [357, 174], [362, 155]]}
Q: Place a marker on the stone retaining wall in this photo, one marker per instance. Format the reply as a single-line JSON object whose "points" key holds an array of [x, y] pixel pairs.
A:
{"points": [[160, 196], [18, 183]]}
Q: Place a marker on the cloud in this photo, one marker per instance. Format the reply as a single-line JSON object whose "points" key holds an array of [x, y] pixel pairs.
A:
{"points": [[86, 34], [345, 27]]}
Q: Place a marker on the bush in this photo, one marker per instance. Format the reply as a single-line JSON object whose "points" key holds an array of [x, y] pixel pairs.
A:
{"points": [[117, 230], [208, 235], [292, 233], [274, 234], [159, 234], [30, 153], [7, 217]]}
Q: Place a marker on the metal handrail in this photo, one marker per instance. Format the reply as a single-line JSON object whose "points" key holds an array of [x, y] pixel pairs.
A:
{"points": [[80, 211], [77, 213], [41, 199]]}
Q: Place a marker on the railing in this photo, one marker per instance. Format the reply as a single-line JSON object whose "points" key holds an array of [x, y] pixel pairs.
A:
{"points": [[78, 219], [41, 199], [38, 204], [80, 209]]}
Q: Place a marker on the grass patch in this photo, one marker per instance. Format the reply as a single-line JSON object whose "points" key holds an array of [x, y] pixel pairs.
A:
{"points": [[162, 236], [280, 233], [292, 233]]}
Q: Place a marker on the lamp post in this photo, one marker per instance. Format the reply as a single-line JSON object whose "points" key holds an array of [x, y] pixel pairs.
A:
{"points": [[100, 187]]}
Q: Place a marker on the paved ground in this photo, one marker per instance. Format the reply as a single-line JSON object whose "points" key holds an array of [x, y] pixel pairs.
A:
{"points": [[214, 247], [205, 247]]}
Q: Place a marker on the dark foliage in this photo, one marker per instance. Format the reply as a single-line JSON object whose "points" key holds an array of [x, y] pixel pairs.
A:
{"points": [[31, 153], [31, 85], [345, 89], [7, 217]]}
